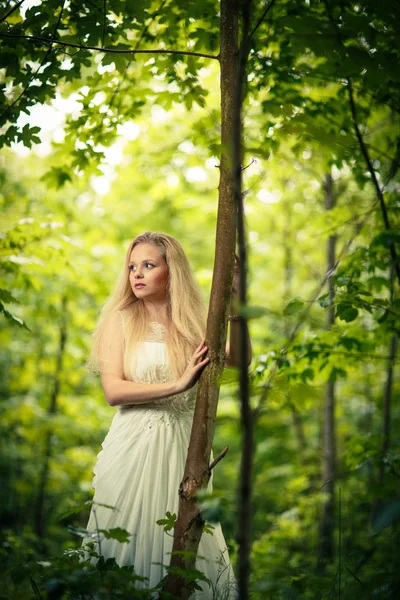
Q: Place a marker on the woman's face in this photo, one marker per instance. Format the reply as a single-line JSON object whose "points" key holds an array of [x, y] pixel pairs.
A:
{"points": [[148, 267]]}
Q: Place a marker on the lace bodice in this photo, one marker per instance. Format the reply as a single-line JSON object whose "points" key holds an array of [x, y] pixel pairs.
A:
{"points": [[151, 365], [157, 332]]}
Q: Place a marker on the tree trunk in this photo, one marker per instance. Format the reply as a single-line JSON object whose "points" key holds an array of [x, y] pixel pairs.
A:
{"points": [[189, 524], [387, 411], [247, 418], [52, 409], [288, 275], [327, 526]]}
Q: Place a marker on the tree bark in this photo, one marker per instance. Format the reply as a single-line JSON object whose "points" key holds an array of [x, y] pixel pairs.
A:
{"points": [[327, 525], [189, 524]]}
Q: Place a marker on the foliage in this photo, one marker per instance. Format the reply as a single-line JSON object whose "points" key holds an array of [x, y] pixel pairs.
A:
{"points": [[138, 149]]}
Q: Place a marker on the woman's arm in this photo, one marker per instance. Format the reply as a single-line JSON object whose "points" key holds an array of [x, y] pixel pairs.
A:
{"points": [[119, 391]]}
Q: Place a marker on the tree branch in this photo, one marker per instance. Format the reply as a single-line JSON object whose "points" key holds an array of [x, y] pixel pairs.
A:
{"points": [[394, 166], [10, 12], [269, 5], [219, 457], [104, 21], [375, 182], [361, 355], [37, 38]]}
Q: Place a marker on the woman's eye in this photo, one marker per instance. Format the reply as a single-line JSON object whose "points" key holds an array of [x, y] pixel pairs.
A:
{"points": [[131, 267]]}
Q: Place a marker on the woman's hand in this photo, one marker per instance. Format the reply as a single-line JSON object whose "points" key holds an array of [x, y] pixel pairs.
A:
{"points": [[193, 370]]}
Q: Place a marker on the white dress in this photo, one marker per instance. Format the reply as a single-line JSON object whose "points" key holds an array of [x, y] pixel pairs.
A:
{"points": [[139, 470]]}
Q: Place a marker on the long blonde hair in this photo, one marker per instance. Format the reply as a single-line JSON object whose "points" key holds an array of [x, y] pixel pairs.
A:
{"points": [[185, 305]]}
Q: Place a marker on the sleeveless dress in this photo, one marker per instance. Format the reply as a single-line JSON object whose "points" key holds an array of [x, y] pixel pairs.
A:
{"points": [[139, 470]]}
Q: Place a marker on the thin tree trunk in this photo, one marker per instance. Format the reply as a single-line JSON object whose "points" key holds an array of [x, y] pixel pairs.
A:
{"points": [[189, 524], [299, 431], [288, 275], [327, 525], [247, 418], [387, 410], [52, 409]]}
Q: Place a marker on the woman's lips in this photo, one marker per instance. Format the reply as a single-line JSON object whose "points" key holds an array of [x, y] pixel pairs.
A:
{"points": [[139, 285]]}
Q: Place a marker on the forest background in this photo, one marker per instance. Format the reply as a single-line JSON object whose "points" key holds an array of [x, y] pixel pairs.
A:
{"points": [[100, 146]]}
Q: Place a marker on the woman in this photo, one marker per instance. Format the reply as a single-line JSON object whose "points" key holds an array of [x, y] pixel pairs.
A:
{"points": [[147, 351]]}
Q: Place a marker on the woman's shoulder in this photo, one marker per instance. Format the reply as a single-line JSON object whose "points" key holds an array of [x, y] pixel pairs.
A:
{"points": [[114, 320], [122, 316]]}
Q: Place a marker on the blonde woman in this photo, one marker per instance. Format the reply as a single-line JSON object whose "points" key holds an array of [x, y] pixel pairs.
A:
{"points": [[149, 349]]}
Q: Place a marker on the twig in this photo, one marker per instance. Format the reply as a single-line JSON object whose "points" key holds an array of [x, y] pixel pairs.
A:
{"points": [[394, 166], [104, 21], [35, 588], [10, 12], [379, 193], [219, 457], [329, 351], [269, 5], [253, 160], [353, 574], [38, 38], [98, 538]]}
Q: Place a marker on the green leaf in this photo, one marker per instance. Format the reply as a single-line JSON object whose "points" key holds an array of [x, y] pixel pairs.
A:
{"points": [[307, 374], [116, 534], [211, 510], [169, 522], [293, 306], [57, 177], [28, 135], [208, 528], [350, 343], [13, 319], [388, 514], [324, 301], [346, 312], [121, 61], [75, 510], [77, 531], [383, 317], [337, 372], [7, 296]]}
